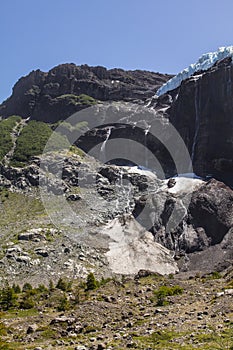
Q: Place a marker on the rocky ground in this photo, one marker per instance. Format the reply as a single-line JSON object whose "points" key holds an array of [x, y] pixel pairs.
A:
{"points": [[129, 314], [120, 220]]}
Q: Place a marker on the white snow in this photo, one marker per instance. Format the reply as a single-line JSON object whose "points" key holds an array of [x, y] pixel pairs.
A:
{"points": [[205, 62], [185, 184]]}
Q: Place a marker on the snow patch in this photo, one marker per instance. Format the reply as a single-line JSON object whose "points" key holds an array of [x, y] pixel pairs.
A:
{"points": [[185, 184], [205, 62], [132, 248]]}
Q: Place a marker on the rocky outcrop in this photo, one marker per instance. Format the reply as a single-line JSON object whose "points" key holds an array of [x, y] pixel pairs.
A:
{"points": [[200, 231], [52, 96]]}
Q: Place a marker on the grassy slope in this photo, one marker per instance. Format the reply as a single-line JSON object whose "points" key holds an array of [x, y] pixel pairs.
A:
{"points": [[133, 318], [6, 128]]}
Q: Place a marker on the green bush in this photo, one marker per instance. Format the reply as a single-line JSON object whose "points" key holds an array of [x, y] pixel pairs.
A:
{"points": [[26, 287], [91, 282], [27, 302], [16, 288], [8, 298], [63, 304], [164, 291], [78, 99], [64, 285]]}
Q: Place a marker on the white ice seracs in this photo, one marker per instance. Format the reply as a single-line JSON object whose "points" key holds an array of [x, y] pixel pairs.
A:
{"points": [[205, 62]]}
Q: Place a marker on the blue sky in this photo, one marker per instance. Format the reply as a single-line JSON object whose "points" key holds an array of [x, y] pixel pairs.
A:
{"points": [[164, 36]]}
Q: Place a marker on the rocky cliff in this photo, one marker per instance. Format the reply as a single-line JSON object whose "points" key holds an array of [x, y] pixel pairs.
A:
{"points": [[202, 112], [68, 88]]}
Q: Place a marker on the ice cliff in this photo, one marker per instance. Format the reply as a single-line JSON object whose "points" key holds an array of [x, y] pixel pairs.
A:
{"points": [[205, 62]]}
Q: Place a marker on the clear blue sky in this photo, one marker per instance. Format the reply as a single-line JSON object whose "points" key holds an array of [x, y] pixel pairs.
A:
{"points": [[164, 36]]}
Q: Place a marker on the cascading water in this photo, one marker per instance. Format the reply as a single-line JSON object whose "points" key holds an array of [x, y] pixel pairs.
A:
{"points": [[229, 83], [103, 146], [123, 194], [146, 146], [197, 104]]}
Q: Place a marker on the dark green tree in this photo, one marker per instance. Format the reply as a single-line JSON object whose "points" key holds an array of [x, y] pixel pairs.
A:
{"points": [[26, 287], [61, 284], [8, 298], [63, 304], [91, 282]]}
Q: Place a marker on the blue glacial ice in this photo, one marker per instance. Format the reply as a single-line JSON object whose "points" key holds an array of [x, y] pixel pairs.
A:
{"points": [[205, 62]]}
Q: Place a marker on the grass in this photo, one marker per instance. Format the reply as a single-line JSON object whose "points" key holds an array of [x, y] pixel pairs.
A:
{"points": [[78, 99], [164, 291], [17, 207], [6, 127]]}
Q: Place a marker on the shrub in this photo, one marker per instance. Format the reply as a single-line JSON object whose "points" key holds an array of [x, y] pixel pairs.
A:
{"points": [[91, 282], [8, 298], [63, 304], [27, 287], [164, 291], [16, 288], [62, 285], [27, 303], [78, 99]]}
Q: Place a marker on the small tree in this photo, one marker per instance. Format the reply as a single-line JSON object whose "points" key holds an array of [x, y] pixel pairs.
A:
{"points": [[16, 288], [51, 286], [63, 304], [7, 298], [27, 287], [27, 302], [91, 282], [61, 284]]}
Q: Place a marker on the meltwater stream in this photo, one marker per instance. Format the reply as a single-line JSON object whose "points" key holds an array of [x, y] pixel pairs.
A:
{"points": [[103, 146]]}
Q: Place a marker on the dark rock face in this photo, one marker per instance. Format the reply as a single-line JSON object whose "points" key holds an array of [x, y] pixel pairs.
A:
{"points": [[212, 209], [206, 222], [202, 113], [50, 96]]}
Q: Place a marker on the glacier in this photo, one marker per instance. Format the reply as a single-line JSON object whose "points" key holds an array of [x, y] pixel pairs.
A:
{"points": [[205, 62]]}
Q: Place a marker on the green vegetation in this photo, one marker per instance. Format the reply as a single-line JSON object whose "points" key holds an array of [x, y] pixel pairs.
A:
{"points": [[6, 128], [7, 298], [38, 137], [215, 275], [31, 142], [63, 303], [13, 298], [91, 282], [18, 209], [68, 314], [65, 286], [78, 99], [164, 291]]}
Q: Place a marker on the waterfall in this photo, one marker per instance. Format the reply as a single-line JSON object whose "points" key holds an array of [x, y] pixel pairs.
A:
{"points": [[146, 131], [229, 87], [197, 104], [103, 146], [123, 194]]}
